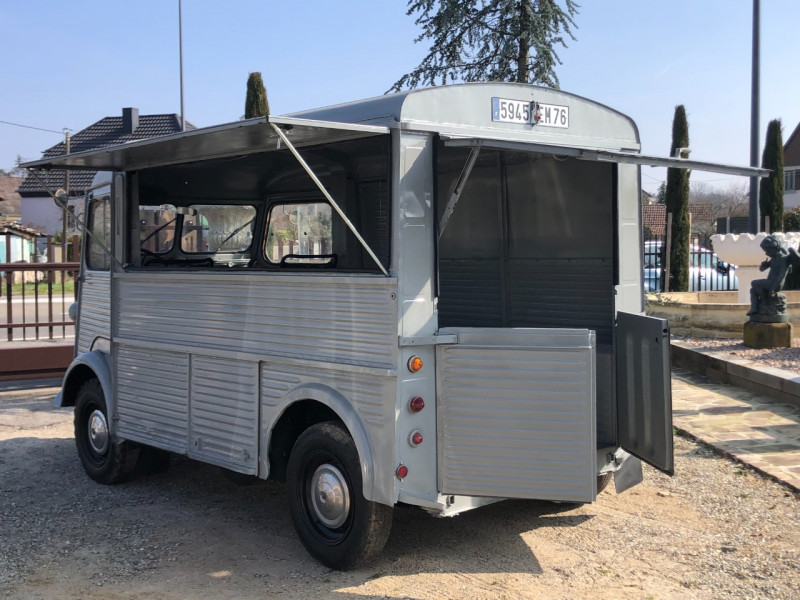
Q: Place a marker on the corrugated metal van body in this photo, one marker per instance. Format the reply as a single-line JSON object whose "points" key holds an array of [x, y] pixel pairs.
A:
{"points": [[516, 414], [95, 313], [202, 358]]}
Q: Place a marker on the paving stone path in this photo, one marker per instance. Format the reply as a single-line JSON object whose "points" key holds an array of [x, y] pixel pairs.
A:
{"points": [[753, 429]]}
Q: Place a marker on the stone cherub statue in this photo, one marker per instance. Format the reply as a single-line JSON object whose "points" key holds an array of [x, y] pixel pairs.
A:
{"points": [[767, 304]]}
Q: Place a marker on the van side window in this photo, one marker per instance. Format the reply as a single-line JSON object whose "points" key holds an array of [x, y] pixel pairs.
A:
{"points": [[300, 234], [97, 258], [217, 228], [157, 228]]}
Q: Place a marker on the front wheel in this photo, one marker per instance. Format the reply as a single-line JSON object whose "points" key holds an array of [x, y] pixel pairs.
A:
{"points": [[104, 458], [336, 524]]}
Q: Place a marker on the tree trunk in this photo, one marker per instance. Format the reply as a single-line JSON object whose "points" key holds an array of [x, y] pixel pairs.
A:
{"points": [[524, 45]]}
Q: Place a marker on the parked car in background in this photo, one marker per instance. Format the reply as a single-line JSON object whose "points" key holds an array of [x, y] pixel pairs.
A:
{"points": [[707, 271]]}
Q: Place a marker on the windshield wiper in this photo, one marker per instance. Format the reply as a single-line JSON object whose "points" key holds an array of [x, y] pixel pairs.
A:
{"points": [[235, 231], [155, 231]]}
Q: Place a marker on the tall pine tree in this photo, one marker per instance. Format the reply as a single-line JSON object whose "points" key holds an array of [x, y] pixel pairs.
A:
{"points": [[677, 201], [256, 103], [771, 188], [489, 40]]}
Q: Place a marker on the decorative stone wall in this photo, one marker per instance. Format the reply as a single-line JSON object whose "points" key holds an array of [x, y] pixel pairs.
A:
{"points": [[709, 314]]}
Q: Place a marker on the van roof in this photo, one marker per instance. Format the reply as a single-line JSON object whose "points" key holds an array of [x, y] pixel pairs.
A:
{"points": [[456, 110], [462, 115]]}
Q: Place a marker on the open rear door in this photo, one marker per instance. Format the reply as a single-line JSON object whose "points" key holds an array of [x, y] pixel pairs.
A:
{"points": [[644, 392]]}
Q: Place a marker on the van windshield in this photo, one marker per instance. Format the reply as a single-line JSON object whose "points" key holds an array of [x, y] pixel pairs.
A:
{"points": [[217, 228]]}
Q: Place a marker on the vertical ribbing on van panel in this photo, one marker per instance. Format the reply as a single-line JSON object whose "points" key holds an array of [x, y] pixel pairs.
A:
{"points": [[95, 312], [224, 413], [153, 397]]}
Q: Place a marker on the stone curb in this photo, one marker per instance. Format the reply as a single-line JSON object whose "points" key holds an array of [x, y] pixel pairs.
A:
{"points": [[734, 456], [777, 384]]}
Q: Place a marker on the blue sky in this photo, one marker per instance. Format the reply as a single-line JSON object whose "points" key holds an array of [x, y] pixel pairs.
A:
{"points": [[68, 64]]}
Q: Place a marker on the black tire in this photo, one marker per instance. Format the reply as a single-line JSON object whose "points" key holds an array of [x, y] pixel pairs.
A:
{"points": [[105, 459], [153, 461], [343, 534]]}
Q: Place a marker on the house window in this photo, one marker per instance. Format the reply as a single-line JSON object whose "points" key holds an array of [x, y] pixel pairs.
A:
{"points": [[790, 180]]}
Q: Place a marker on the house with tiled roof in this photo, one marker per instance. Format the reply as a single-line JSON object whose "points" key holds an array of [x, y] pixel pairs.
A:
{"points": [[654, 219], [9, 198], [37, 207], [791, 170], [17, 243]]}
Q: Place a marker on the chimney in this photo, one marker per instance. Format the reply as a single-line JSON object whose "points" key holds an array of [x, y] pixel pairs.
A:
{"points": [[130, 120]]}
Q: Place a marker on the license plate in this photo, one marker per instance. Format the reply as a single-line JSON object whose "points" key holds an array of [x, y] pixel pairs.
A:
{"points": [[505, 110]]}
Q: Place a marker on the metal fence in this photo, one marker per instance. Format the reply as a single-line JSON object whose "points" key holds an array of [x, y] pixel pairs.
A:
{"points": [[37, 290], [706, 271]]}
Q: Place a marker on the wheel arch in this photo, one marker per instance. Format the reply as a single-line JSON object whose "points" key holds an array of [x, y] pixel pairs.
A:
{"points": [[86, 366], [309, 404]]}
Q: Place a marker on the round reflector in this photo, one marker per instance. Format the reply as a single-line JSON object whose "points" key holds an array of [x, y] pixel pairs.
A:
{"points": [[416, 404]]}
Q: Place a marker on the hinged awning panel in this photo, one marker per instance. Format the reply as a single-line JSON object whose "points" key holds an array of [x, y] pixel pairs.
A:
{"points": [[232, 139], [604, 155]]}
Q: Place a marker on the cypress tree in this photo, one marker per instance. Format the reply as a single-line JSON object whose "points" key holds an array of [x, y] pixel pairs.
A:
{"points": [[677, 201], [256, 103], [771, 188], [662, 193]]}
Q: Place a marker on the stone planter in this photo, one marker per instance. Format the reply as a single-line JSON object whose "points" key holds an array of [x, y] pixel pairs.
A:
{"points": [[710, 314]]}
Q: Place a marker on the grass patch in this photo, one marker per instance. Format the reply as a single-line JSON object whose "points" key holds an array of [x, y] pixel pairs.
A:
{"points": [[67, 287]]}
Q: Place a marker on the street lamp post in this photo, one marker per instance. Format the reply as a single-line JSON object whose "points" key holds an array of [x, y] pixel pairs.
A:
{"points": [[753, 222]]}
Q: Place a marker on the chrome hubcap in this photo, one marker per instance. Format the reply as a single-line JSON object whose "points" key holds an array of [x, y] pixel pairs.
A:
{"points": [[98, 432], [330, 496]]}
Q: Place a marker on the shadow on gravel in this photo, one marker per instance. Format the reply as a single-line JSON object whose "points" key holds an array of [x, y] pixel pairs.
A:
{"points": [[459, 544], [193, 515]]}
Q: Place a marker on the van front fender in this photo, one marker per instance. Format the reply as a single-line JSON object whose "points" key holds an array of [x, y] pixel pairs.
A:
{"points": [[89, 365]]}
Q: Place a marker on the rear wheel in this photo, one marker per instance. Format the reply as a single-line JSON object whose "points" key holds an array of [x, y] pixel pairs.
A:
{"points": [[336, 524], [104, 458]]}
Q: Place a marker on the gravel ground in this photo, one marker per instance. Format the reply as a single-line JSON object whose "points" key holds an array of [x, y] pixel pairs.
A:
{"points": [[715, 530], [781, 358]]}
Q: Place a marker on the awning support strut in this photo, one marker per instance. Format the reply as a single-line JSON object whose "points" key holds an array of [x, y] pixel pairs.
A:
{"points": [[462, 181], [330, 199]]}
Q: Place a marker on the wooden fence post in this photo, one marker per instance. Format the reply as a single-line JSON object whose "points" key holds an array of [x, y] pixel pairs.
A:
{"points": [[669, 251]]}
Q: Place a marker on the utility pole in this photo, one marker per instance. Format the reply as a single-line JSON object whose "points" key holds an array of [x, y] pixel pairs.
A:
{"points": [[754, 117], [65, 215]]}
